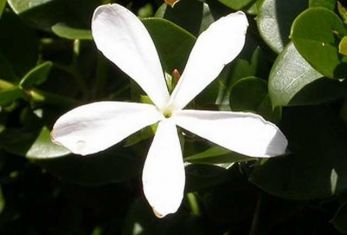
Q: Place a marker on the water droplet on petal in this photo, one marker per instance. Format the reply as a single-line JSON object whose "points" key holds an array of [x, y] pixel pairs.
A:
{"points": [[80, 145]]}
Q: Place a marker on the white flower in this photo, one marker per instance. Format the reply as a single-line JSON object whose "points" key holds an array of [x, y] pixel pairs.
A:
{"points": [[124, 40]]}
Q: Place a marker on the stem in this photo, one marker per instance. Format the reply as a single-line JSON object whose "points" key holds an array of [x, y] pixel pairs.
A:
{"points": [[101, 76], [255, 220], [76, 49], [193, 203], [39, 96]]}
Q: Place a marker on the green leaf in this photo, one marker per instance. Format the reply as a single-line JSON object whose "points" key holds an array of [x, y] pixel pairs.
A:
{"points": [[2, 6], [248, 64], [172, 42], [20, 6], [43, 147], [247, 94], [217, 156], [44, 14], [316, 34], [342, 11], [293, 81], [37, 75], [9, 93], [65, 31], [329, 4], [316, 165], [236, 4], [274, 21], [343, 46], [250, 94], [31, 144]]}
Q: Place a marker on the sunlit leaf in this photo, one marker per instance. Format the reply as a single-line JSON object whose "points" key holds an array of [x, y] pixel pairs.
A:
{"points": [[65, 31], [293, 81], [274, 21], [316, 34], [43, 147]]}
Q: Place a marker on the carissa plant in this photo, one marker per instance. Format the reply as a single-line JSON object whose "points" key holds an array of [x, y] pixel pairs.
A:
{"points": [[112, 110]]}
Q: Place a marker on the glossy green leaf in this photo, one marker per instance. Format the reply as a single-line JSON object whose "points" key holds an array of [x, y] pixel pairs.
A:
{"points": [[43, 147], [274, 21], [172, 42], [20, 6], [329, 4], [250, 94], [293, 81], [236, 4], [37, 75], [316, 34], [316, 165], [65, 31], [247, 94], [249, 63]]}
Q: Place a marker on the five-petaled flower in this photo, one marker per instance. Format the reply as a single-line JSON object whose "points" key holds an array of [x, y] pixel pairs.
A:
{"points": [[124, 40]]}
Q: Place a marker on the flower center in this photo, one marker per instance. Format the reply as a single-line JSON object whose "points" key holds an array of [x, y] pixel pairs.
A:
{"points": [[167, 113]]}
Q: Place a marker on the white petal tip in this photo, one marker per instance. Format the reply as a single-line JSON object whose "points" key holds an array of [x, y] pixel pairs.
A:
{"points": [[158, 214]]}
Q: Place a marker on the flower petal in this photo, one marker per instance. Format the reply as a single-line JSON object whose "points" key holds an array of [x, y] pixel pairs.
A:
{"points": [[124, 40], [94, 127], [163, 174], [214, 48], [245, 133]]}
